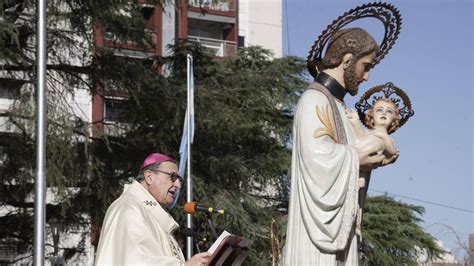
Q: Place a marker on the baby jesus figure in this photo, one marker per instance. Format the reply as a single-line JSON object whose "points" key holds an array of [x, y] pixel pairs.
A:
{"points": [[382, 119]]}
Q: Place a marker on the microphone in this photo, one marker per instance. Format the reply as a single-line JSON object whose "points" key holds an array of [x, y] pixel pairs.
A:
{"points": [[192, 207]]}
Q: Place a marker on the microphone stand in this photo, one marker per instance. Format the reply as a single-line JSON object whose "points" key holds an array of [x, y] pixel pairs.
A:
{"points": [[197, 246], [212, 226], [188, 232]]}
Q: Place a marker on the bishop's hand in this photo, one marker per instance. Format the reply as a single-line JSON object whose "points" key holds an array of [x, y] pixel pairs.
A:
{"points": [[198, 259]]}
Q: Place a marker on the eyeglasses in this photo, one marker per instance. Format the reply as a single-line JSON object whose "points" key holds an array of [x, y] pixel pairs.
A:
{"points": [[173, 175]]}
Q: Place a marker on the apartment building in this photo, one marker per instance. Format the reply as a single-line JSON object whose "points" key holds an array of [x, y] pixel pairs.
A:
{"points": [[213, 24], [222, 26]]}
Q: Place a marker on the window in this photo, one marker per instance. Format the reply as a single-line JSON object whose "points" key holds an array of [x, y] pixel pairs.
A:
{"points": [[206, 29], [7, 253], [10, 88], [241, 41], [114, 110], [131, 37], [3, 155], [147, 12]]}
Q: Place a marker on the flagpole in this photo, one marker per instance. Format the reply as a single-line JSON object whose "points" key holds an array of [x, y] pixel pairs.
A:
{"points": [[40, 182], [189, 181]]}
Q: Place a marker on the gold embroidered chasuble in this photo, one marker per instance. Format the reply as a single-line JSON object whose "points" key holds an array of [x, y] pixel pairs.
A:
{"points": [[138, 231]]}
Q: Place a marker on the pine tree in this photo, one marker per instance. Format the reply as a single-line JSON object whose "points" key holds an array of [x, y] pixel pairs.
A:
{"points": [[72, 67], [392, 235]]}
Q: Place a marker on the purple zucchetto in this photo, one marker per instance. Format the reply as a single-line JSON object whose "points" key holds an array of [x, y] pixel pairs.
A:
{"points": [[155, 158]]}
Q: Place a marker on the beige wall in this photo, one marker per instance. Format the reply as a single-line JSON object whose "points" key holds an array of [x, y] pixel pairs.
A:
{"points": [[260, 21]]}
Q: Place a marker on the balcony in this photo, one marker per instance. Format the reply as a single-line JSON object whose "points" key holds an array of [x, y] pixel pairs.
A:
{"points": [[217, 5], [116, 129], [113, 40], [216, 47]]}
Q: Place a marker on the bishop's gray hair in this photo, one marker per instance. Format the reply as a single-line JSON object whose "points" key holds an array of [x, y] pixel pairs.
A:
{"points": [[152, 167]]}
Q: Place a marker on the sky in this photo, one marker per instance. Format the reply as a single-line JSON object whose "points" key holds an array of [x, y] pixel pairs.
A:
{"points": [[432, 61]]}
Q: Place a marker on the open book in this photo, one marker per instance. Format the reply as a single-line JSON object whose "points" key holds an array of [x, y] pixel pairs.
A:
{"points": [[228, 249]]}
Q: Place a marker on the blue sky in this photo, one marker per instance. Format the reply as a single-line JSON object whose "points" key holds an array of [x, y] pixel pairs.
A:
{"points": [[432, 61]]}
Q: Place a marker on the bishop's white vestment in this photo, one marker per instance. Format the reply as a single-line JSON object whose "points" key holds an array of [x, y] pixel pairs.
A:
{"points": [[324, 186], [138, 231]]}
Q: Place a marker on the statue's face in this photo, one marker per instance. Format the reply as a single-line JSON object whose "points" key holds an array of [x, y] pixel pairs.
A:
{"points": [[384, 114], [357, 72]]}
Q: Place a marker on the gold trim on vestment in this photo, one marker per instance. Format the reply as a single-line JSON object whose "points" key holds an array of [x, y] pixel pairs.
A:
{"points": [[329, 128]]}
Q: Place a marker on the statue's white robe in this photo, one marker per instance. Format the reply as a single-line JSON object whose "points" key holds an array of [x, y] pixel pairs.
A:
{"points": [[324, 187], [138, 231]]}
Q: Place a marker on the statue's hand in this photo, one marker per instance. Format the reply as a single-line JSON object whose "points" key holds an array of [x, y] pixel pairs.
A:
{"points": [[391, 160], [352, 116], [390, 149], [370, 157]]}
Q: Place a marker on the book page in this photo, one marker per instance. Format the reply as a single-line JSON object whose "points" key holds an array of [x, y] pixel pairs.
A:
{"points": [[218, 241]]}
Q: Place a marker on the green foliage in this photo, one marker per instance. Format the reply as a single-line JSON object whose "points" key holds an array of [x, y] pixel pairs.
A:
{"points": [[72, 157], [392, 235], [243, 122]]}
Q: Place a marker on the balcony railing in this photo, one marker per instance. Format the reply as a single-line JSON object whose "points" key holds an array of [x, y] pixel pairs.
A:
{"points": [[219, 5], [116, 129], [112, 39], [221, 48]]}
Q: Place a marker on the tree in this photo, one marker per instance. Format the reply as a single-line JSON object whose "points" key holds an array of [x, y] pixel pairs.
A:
{"points": [[391, 234], [72, 67], [243, 122]]}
